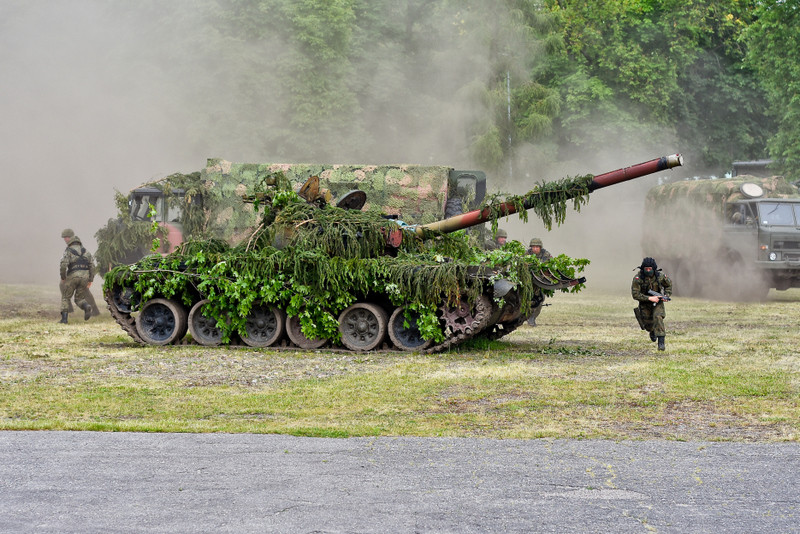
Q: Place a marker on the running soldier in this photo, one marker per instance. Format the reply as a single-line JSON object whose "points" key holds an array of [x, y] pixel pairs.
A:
{"points": [[77, 273], [651, 312]]}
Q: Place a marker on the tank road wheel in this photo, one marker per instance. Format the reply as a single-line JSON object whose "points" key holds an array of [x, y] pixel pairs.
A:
{"points": [[407, 339], [203, 328], [363, 326], [264, 326], [161, 322], [295, 333]]}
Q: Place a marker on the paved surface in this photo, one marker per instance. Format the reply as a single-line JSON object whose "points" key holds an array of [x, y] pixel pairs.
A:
{"points": [[126, 482]]}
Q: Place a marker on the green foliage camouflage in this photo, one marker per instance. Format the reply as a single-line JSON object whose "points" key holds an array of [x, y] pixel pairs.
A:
{"points": [[212, 206], [328, 258], [548, 200]]}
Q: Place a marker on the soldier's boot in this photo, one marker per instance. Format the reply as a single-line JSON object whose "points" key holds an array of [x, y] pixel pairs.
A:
{"points": [[87, 311], [63, 317], [661, 343], [652, 336]]}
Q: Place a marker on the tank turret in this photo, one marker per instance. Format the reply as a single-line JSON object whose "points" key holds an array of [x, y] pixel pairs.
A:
{"points": [[314, 273]]}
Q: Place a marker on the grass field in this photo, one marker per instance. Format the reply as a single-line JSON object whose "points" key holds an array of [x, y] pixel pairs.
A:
{"points": [[731, 372]]}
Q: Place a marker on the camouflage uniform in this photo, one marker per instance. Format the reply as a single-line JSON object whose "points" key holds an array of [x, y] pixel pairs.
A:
{"points": [[543, 255], [652, 314], [496, 242], [77, 272]]}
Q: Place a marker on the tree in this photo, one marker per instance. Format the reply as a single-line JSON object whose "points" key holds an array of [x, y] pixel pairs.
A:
{"points": [[773, 42], [659, 70]]}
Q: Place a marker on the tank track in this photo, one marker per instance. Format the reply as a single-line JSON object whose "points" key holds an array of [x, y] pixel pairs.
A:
{"points": [[476, 325], [124, 319], [480, 320]]}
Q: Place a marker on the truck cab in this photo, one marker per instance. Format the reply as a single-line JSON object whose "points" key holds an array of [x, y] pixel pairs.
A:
{"points": [[767, 232], [168, 212]]}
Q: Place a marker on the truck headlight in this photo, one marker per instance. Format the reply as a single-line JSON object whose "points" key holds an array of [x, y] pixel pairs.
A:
{"points": [[773, 256]]}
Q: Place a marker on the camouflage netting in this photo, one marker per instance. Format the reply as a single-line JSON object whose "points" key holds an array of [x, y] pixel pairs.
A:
{"points": [[212, 205], [414, 192], [714, 193]]}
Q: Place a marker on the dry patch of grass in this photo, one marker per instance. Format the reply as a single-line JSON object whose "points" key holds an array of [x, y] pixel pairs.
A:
{"points": [[730, 372]]}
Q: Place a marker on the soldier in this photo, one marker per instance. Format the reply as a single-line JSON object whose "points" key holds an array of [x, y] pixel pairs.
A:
{"points": [[77, 273], [536, 249], [650, 313], [499, 240]]}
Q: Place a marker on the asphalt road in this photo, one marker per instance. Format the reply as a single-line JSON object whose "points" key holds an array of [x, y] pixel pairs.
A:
{"points": [[128, 482]]}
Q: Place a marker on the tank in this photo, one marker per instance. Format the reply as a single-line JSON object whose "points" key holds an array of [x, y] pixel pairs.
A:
{"points": [[318, 272]]}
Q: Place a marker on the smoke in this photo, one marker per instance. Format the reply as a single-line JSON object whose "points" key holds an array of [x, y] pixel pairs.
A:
{"points": [[81, 117], [105, 95]]}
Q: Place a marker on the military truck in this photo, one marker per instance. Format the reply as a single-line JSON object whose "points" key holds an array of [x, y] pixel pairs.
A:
{"points": [[208, 203], [725, 238]]}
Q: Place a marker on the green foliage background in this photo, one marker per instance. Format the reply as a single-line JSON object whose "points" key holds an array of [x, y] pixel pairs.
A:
{"points": [[493, 83]]}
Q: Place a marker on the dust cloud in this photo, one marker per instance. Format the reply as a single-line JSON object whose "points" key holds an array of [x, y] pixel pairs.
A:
{"points": [[99, 96]]}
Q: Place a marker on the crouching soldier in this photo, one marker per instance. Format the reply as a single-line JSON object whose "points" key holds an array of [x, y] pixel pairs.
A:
{"points": [[77, 273], [650, 313]]}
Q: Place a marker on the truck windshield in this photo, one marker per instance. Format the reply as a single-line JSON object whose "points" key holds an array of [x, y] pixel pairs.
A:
{"points": [[777, 214], [175, 211], [140, 206]]}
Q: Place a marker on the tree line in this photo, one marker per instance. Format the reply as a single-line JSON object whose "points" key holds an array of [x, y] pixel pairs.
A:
{"points": [[500, 83]]}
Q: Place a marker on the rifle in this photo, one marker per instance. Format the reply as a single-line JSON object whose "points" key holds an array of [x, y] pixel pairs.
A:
{"points": [[661, 296]]}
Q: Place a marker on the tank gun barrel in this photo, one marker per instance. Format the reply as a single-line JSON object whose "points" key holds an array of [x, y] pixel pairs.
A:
{"points": [[473, 218]]}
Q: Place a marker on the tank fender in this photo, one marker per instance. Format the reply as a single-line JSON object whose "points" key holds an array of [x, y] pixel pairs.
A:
{"points": [[502, 287]]}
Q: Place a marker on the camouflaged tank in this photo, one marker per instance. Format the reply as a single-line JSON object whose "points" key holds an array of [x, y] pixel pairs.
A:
{"points": [[322, 271]]}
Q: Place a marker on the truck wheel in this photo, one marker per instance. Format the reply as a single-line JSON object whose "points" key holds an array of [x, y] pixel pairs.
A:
{"points": [[454, 206], [161, 322]]}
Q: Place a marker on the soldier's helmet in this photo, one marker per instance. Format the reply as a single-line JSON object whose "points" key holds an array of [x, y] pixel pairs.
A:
{"points": [[649, 262], [501, 233], [67, 232], [536, 242]]}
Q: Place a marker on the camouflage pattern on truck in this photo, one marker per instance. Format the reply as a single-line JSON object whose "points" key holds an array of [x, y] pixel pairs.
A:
{"points": [[722, 238]]}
